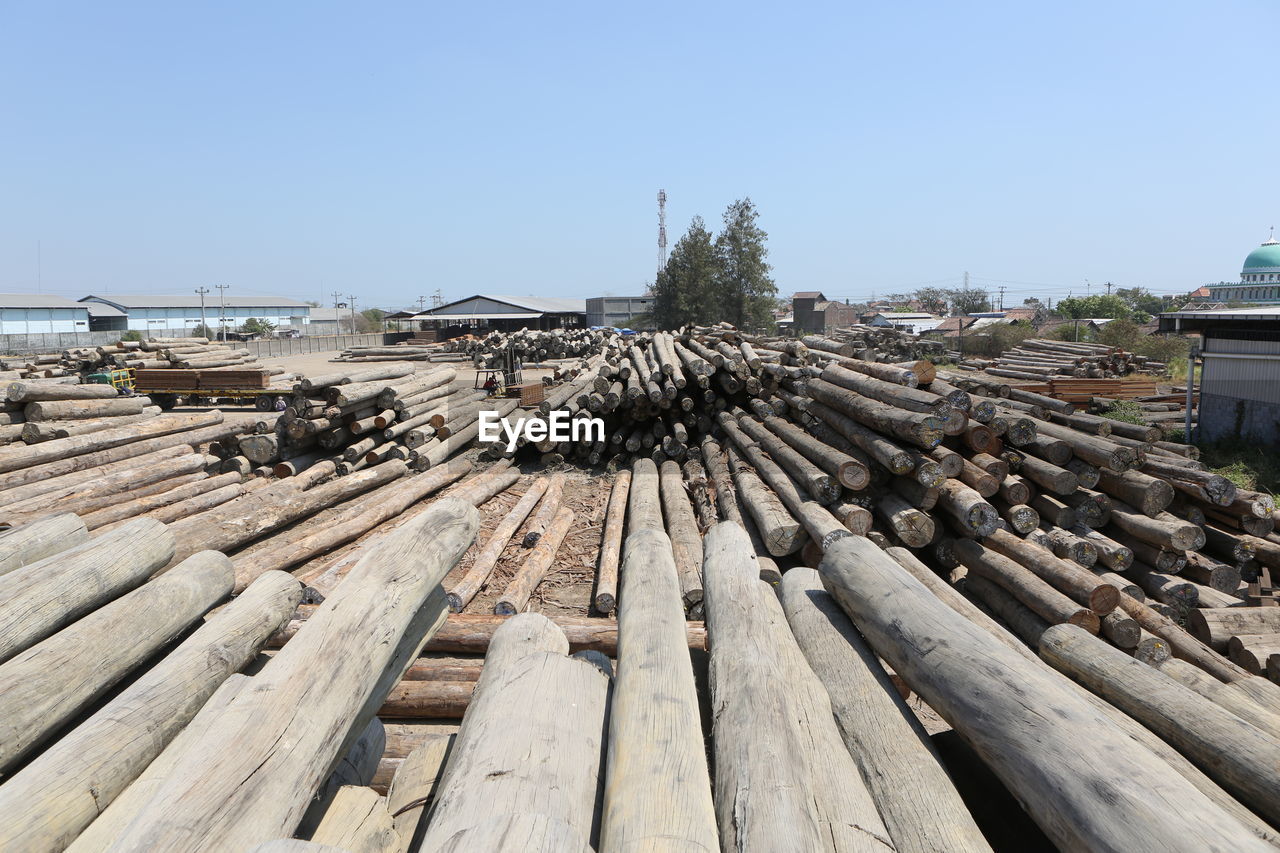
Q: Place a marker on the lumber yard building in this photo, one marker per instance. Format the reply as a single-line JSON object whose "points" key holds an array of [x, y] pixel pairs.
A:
{"points": [[157, 313], [812, 313], [492, 312], [1240, 381], [38, 313], [617, 311]]}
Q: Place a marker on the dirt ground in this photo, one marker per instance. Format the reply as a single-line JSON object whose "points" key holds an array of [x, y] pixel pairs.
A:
{"points": [[319, 363]]}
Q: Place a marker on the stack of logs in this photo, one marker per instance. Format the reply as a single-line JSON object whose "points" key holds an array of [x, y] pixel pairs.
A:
{"points": [[156, 354], [1038, 359]]}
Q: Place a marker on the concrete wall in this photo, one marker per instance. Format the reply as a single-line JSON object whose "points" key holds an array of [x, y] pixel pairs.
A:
{"points": [[1232, 418], [24, 344]]}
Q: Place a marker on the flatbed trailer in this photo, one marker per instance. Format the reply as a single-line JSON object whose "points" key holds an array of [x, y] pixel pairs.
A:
{"points": [[263, 399]]}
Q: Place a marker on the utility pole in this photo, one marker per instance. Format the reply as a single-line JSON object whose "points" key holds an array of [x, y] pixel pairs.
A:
{"points": [[202, 291], [222, 310], [351, 303], [1108, 285], [422, 303], [436, 299], [1002, 297]]}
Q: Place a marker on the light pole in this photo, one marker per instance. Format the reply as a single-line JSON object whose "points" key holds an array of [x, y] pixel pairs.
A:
{"points": [[202, 291], [351, 303], [222, 309]]}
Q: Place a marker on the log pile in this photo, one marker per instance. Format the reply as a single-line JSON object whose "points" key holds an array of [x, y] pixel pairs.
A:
{"points": [[1038, 359], [156, 354]]}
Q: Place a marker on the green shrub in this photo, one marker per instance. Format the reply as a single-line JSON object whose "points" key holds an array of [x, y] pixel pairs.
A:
{"points": [[131, 335], [1127, 411]]}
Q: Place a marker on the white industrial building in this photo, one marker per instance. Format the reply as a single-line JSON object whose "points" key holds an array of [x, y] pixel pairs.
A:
{"points": [[39, 314], [165, 312]]}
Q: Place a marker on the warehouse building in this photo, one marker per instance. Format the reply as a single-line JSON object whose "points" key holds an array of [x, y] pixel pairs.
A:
{"points": [[1240, 382], [158, 313], [506, 313], [38, 314], [617, 311]]}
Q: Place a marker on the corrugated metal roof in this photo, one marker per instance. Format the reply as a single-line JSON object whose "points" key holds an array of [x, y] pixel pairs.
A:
{"points": [[35, 300], [101, 309], [536, 304], [1271, 312], [192, 300]]}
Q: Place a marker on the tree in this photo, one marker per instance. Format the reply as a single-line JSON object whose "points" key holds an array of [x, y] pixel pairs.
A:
{"points": [[313, 303], [1032, 302], [969, 300], [685, 289], [254, 326], [1119, 333], [746, 292], [1099, 305], [1140, 299], [932, 299], [202, 331]]}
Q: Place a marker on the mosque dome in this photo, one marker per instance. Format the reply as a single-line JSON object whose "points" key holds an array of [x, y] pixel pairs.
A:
{"points": [[1264, 259]]}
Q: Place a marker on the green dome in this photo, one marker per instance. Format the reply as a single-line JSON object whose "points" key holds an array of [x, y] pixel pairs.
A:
{"points": [[1265, 258]]}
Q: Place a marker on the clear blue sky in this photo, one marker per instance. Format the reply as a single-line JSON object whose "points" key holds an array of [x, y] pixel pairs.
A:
{"points": [[390, 149]]}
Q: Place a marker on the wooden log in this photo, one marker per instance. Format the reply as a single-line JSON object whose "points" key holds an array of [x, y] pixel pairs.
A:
{"points": [[77, 496], [1032, 754], [967, 507], [1182, 644], [461, 593], [65, 410], [535, 567], [1024, 585], [781, 533], [60, 792], [31, 392], [1238, 755], [1073, 580], [1227, 696], [1149, 495], [1216, 626], [850, 472], [778, 751], [657, 789], [345, 524], [518, 701], [606, 594], [316, 694], [916, 798], [143, 505], [919, 429], [1251, 651], [413, 789], [45, 685], [1165, 531], [682, 527], [913, 527], [267, 509], [27, 458], [39, 539], [357, 821], [47, 595]]}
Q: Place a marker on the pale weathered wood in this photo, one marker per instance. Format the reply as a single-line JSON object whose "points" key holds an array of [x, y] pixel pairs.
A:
{"points": [[44, 686], [42, 538], [644, 501], [522, 748], [1028, 727], [413, 788], [357, 767], [916, 799], [461, 593], [44, 596], [55, 796], [29, 392], [1241, 757], [682, 528], [357, 821], [657, 792], [1226, 695], [1216, 626], [14, 458], [606, 594], [318, 693], [773, 737]]}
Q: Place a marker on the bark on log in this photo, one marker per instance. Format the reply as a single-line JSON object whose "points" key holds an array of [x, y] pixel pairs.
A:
{"points": [[657, 790], [143, 505], [1024, 585], [1069, 578], [60, 449], [317, 694], [47, 684], [999, 708], [682, 528], [535, 566], [54, 797]]}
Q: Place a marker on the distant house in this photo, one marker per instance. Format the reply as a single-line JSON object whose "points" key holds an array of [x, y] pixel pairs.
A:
{"points": [[952, 327], [509, 313], [814, 314], [913, 323]]}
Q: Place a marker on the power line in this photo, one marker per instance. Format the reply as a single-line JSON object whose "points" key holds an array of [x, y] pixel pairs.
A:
{"points": [[222, 310], [202, 291]]}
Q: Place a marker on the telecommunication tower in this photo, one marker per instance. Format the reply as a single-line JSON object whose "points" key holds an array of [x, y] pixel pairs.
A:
{"points": [[662, 229]]}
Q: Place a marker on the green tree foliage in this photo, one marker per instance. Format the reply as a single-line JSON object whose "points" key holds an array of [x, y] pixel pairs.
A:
{"points": [[706, 281], [1165, 348], [1006, 336], [1119, 333], [1141, 300], [745, 289], [1096, 306], [1127, 411], [202, 331], [131, 335], [254, 326], [685, 290], [932, 299], [968, 300]]}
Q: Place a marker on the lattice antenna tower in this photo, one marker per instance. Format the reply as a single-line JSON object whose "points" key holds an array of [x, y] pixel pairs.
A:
{"points": [[662, 229]]}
